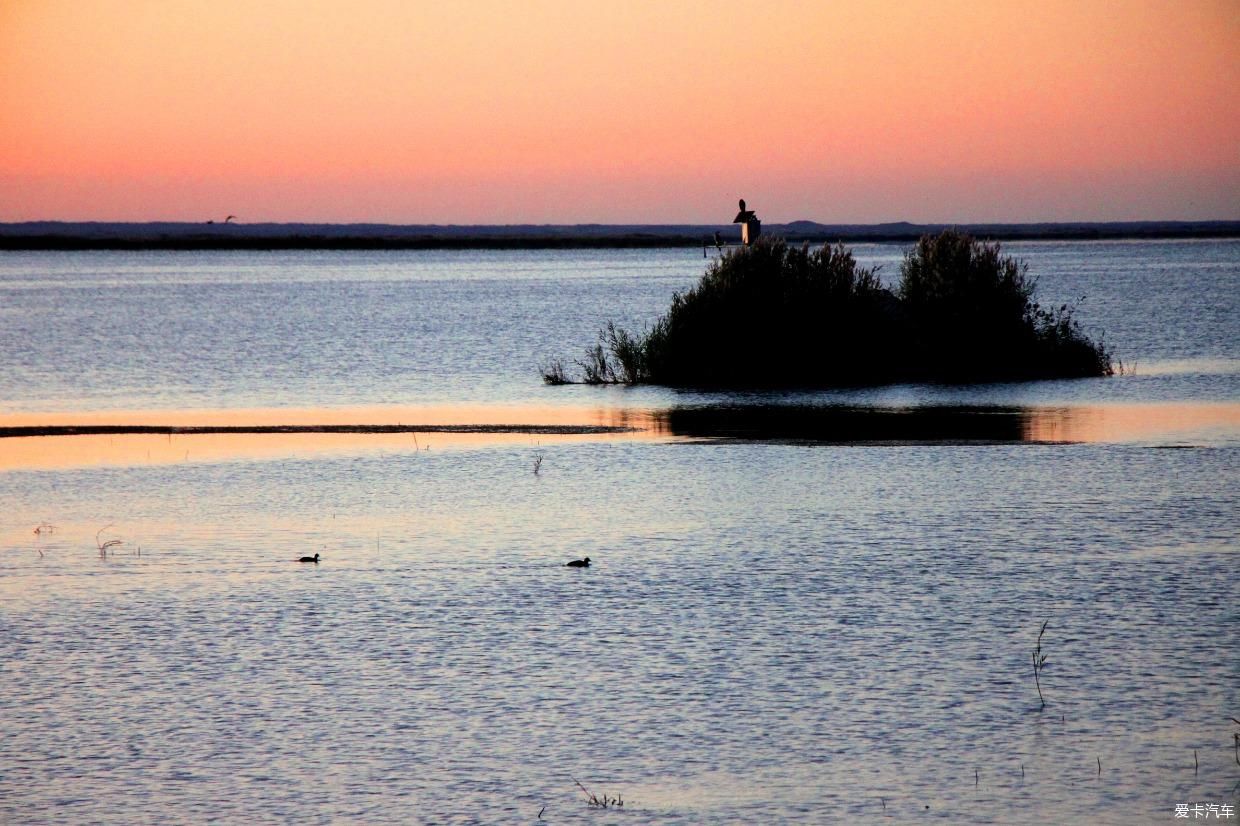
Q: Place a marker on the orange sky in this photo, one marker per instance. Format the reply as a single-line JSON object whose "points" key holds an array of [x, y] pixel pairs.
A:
{"points": [[618, 112]]}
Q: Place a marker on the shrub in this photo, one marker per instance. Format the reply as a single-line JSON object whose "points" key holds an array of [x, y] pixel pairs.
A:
{"points": [[973, 317], [774, 315], [770, 315]]}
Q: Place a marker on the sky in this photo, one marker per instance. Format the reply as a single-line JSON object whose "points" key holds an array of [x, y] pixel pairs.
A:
{"points": [[571, 112]]}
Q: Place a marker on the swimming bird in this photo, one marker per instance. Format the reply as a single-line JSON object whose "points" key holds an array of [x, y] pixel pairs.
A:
{"points": [[314, 559], [578, 563]]}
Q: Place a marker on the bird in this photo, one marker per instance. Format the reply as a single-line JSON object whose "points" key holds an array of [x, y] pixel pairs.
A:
{"points": [[230, 219], [314, 559], [578, 563], [742, 204]]}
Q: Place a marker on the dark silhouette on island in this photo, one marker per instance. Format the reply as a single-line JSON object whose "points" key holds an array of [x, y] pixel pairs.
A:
{"points": [[774, 315], [229, 234]]}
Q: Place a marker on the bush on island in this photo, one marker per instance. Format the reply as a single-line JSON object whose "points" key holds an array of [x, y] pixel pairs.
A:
{"points": [[771, 315], [972, 317]]}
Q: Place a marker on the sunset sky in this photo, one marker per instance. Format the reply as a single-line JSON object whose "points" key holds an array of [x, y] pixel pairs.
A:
{"points": [[619, 112]]}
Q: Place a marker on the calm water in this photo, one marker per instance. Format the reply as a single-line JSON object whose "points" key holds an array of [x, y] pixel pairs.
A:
{"points": [[85, 331], [771, 631]]}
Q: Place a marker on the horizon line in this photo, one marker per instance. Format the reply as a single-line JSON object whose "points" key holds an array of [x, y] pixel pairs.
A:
{"points": [[453, 224]]}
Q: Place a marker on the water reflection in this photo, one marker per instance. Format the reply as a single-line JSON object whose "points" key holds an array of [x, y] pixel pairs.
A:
{"points": [[1197, 424], [843, 425], [850, 425], [754, 605], [31, 441], [361, 416], [162, 437]]}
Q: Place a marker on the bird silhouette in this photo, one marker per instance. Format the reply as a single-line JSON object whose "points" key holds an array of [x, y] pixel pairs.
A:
{"points": [[578, 563], [314, 559], [742, 204]]}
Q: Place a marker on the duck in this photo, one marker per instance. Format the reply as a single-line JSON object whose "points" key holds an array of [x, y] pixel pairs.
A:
{"points": [[578, 563], [314, 559]]}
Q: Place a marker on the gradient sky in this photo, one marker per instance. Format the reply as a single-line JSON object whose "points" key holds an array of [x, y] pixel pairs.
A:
{"points": [[619, 112]]}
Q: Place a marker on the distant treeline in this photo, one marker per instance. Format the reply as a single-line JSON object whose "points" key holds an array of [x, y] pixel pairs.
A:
{"points": [[345, 242], [54, 235]]}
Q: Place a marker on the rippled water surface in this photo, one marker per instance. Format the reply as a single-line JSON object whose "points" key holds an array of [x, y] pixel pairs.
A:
{"points": [[775, 628]]}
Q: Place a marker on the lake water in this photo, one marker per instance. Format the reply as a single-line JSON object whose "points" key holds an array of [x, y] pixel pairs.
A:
{"points": [[777, 627]]}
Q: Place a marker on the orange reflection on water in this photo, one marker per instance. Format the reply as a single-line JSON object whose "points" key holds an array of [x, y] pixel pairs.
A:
{"points": [[445, 414], [1167, 423], [1134, 423], [67, 451]]}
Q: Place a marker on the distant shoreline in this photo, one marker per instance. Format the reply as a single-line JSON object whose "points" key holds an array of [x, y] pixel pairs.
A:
{"points": [[52, 235]]}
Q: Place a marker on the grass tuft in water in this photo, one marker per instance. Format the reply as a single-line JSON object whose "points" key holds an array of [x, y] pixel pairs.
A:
{"points": [[105, 545], [553, 373], [1039, 662], [604, 802]]}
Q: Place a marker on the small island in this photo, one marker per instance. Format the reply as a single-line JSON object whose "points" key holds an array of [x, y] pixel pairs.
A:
{"points": [[773, 315]]}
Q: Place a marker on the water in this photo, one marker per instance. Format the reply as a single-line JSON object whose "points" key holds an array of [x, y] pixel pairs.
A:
{"points": [[88, 331], [772, 631]]}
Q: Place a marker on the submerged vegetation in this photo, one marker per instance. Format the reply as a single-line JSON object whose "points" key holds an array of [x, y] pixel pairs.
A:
{"points": [[774, 315]]}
